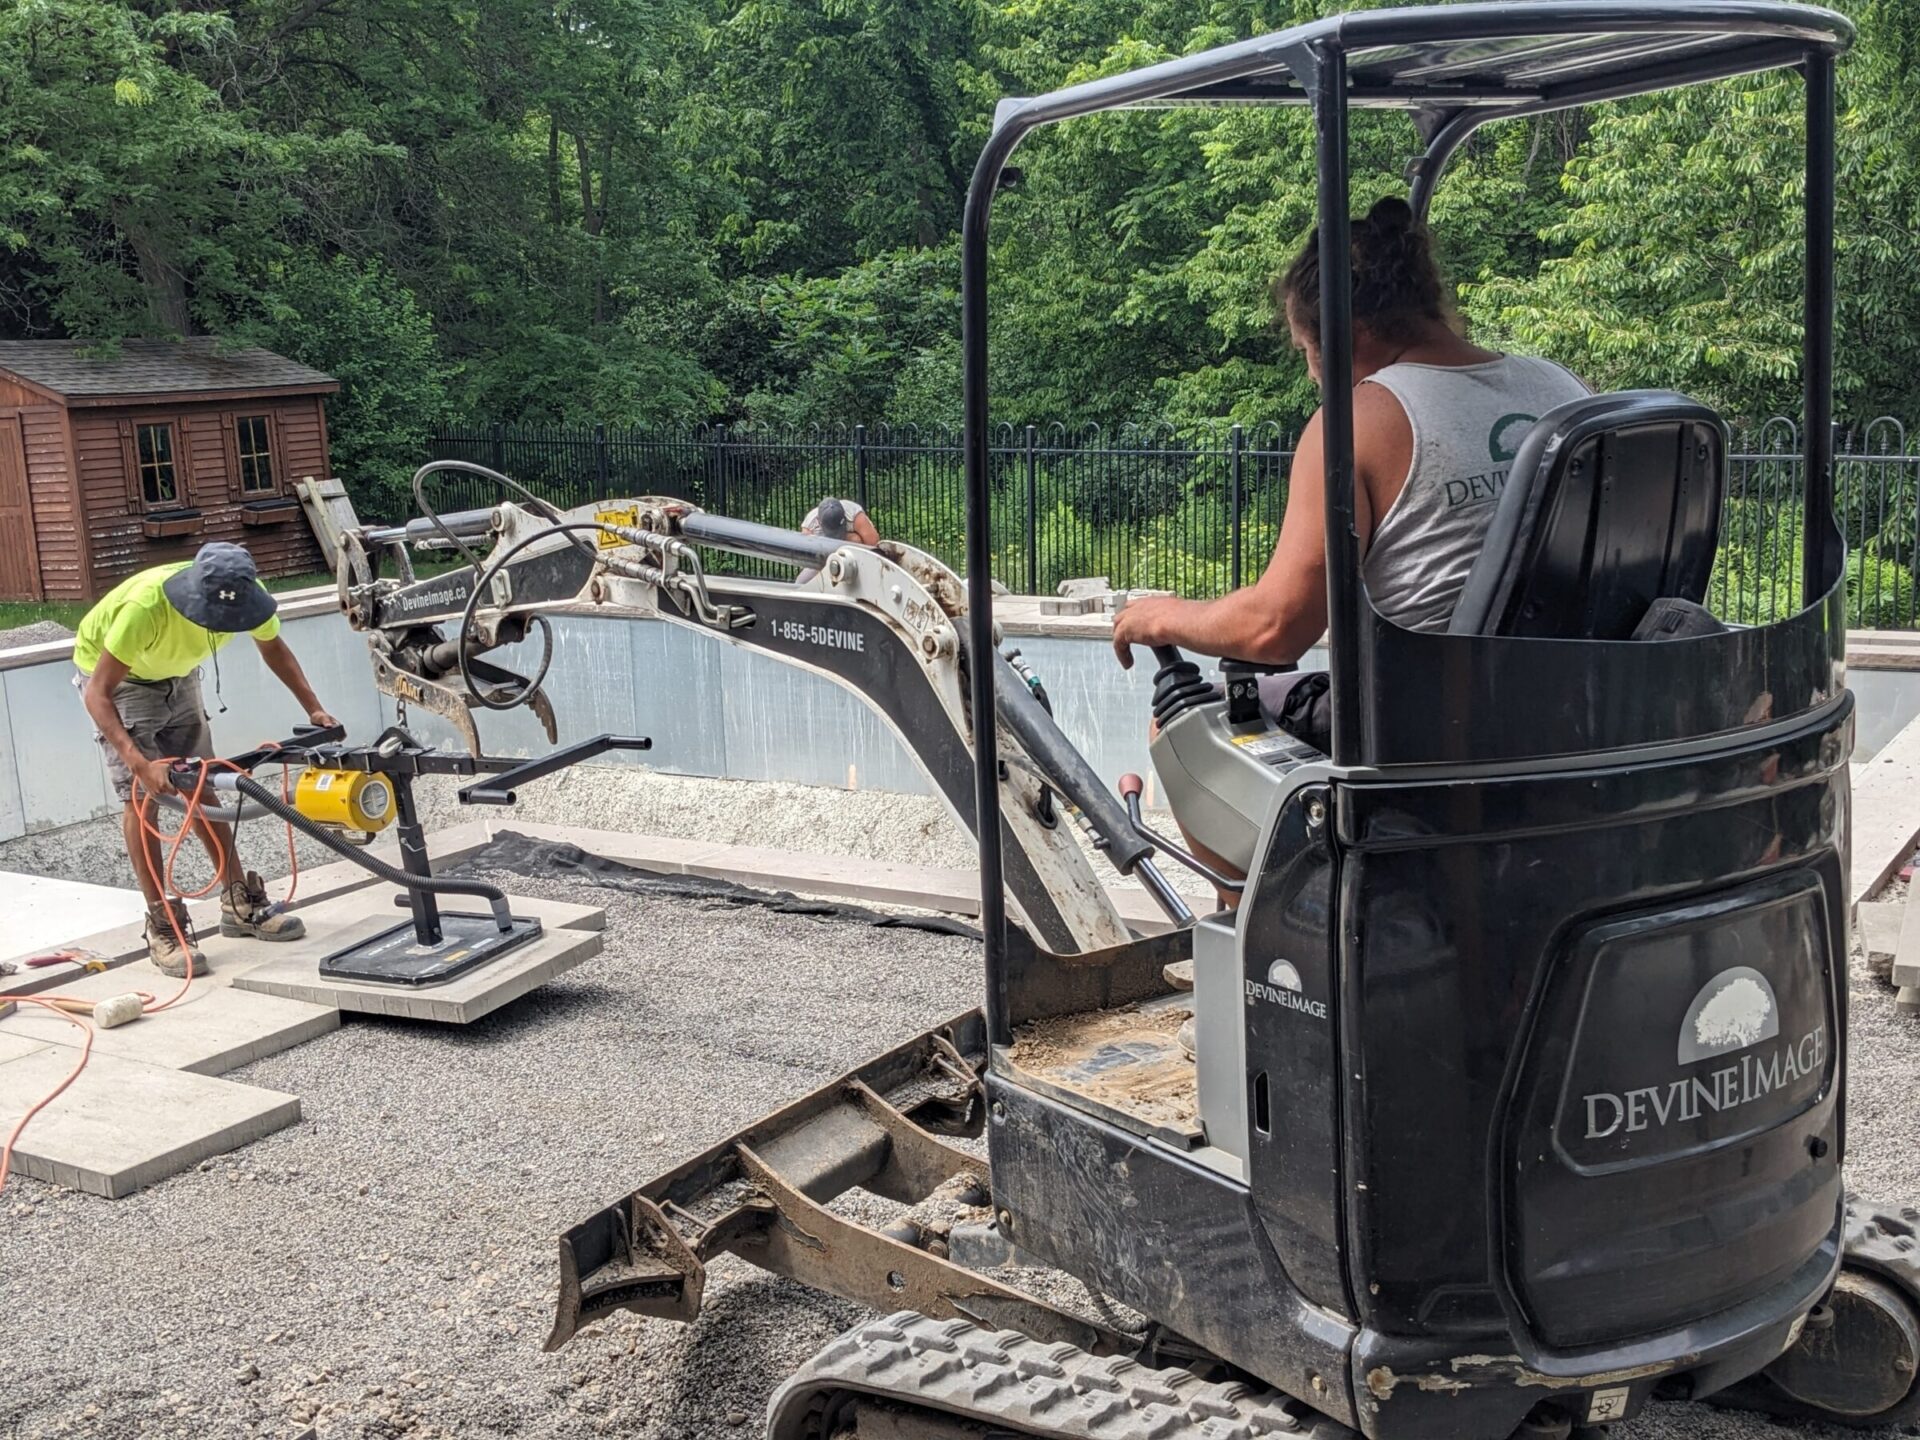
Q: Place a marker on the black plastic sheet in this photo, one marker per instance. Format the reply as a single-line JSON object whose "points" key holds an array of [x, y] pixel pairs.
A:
{"points": [[545, 859]]}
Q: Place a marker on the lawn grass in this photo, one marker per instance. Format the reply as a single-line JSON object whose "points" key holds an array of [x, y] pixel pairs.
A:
{"points": [[24, 612]]}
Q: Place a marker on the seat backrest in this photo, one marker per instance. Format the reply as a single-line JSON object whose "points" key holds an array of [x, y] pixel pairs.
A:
{"points": [[1612, 502]]}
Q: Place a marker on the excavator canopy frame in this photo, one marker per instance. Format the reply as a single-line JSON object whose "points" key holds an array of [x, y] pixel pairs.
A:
{"points": [[1454, 68]]}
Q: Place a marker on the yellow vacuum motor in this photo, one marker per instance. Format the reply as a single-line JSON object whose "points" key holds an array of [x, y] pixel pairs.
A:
{"points": [[349, 799]]}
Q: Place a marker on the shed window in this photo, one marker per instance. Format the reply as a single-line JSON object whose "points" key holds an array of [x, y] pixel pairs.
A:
{"points": [[154, 448], [253, 440]]}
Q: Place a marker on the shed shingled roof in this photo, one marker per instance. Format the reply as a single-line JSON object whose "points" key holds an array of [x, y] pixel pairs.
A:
{"points": [[153, 367]]}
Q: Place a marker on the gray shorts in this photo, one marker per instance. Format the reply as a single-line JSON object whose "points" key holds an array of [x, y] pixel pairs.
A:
{"points": [[165, 719]]}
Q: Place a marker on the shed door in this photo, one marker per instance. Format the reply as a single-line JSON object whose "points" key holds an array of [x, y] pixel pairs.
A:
{"points": [[19, 554]]}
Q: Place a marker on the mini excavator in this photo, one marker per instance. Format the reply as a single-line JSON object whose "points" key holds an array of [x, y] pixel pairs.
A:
{"points": [[1516, 1093]]}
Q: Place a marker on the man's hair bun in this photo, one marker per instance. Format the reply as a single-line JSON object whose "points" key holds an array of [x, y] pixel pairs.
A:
{"points": [[1390, 216], [1397, 286]]}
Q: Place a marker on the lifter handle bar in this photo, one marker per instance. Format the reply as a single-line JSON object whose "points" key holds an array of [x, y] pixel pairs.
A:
{"points": [[499, 789]]}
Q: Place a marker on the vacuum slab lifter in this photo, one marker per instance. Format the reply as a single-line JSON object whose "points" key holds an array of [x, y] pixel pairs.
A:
{"points": [[1520, 1085]]}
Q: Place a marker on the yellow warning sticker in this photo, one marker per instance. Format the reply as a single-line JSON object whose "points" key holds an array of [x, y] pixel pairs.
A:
{"points": [[1262, 743], [630, 517]]}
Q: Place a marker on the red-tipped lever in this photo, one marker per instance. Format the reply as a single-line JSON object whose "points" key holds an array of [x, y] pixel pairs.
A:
{"points": [[1131, 785]]}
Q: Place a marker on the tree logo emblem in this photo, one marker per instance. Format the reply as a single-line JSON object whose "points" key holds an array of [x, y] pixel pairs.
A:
{"points": [[1733, 1010], [1503, 441]]}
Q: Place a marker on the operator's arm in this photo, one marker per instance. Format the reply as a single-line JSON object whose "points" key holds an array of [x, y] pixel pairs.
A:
{"points": [[1277, 618], [286, 666], [97, 696], [864, 530], [1271, 621]]}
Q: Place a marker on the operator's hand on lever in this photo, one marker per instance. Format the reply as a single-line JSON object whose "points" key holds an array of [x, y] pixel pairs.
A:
{"points": [[1144, 622], [320, 717]]}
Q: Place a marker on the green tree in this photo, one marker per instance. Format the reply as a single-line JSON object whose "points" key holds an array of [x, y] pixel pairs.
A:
{"points": [[354, 321], [1678, 260]]}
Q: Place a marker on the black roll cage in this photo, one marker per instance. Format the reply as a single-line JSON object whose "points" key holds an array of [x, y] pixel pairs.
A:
{"points": [[1455, 68]]}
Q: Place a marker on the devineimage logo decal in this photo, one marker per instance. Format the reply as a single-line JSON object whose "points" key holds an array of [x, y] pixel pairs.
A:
{"points": [[1283, 988], [1733, 1017]]}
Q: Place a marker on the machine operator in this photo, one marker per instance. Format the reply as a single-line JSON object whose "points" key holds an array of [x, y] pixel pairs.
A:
{"points": [[1436, 422]]}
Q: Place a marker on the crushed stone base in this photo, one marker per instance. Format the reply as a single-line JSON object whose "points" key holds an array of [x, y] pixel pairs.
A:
{"points": [[386, 1268]]}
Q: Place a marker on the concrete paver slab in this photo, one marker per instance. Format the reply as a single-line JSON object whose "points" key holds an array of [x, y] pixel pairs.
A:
{"points": [[125, 942], [1878, 927], [334, 922], [211, 1030], [1886, 812], [294, 972], [37, 911], [1906, 954], [123, 1125]]}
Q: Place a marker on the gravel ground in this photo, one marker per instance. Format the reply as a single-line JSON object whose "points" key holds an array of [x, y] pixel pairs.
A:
{"points": [[385, 1268], [865, 824], [94, 852], [868, 824], [38, 632]]}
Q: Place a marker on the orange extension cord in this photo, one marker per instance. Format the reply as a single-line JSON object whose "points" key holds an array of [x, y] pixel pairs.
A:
{"points": [[169, 890]]}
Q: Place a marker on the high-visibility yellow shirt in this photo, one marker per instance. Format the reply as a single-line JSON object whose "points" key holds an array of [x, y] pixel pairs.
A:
{"points": [[136, 624]]}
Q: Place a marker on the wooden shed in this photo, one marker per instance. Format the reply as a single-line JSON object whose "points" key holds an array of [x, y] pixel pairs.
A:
{"points": [[113, 463]]}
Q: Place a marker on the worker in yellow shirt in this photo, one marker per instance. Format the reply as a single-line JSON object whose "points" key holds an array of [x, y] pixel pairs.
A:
{"points": [[139, 652]]}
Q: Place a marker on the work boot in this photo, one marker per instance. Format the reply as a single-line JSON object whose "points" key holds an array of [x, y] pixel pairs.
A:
{"points": [[163, 945], [245, 910]]}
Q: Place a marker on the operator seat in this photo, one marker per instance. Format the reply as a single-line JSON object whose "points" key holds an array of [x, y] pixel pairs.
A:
{"points": [[1606, 530], [1608, 525]]}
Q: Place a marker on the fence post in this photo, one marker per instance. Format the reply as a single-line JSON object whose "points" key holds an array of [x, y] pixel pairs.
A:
{"points": [[1235, 473], [860, 466], [1033, 557], [717, 490], [602, 468], [499, 457]]}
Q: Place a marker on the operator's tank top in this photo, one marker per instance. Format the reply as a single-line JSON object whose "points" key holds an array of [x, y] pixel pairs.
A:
{"points": [[1468, 420]]}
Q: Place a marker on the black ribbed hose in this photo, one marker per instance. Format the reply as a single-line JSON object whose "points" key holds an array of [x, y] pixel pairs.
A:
{"points": [[392, 874]]}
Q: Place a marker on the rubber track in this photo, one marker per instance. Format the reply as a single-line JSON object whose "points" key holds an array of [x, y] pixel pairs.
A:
{"points": [[1884, 1240], [1003, 1378], [1878, 1240]]}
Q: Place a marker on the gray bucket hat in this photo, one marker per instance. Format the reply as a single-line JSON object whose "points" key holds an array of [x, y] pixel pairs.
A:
{"points": [[220, 590], [832, 517]]}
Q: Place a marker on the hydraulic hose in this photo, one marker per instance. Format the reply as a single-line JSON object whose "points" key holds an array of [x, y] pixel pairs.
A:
{"points": [[392, 874], [1066, 768], [219, 814]]}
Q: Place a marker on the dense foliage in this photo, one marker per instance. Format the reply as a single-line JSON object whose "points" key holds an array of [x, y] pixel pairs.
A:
{"points": [[642, 211]]}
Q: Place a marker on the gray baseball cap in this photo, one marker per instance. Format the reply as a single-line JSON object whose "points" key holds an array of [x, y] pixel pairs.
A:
{"points": [[221, 590]]}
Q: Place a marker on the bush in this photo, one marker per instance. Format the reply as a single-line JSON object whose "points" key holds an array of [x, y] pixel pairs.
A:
{"points": [[1138, 489]]}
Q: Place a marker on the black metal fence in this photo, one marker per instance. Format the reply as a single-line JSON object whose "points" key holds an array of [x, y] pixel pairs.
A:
{"points": [[1191, 510]]}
